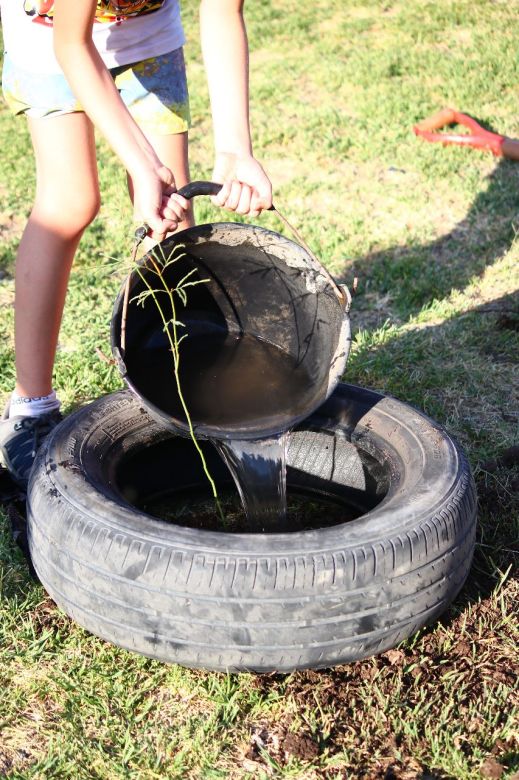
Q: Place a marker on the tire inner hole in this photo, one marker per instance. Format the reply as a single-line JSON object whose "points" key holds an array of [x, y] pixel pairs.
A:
{"points": [[330, 481]]}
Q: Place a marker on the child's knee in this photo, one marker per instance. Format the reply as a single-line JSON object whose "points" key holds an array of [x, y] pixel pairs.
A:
{"points": [[68, 216], [88, 210]]}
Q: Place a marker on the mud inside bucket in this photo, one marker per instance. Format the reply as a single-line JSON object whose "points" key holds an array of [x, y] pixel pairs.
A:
{"points": [[267, 332]]}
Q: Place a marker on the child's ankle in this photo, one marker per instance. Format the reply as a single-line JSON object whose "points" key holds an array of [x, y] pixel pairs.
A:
{"points": [[33, 407]]}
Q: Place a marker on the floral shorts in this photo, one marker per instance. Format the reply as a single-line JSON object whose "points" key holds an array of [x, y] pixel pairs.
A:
{"points": [[154, 91]]}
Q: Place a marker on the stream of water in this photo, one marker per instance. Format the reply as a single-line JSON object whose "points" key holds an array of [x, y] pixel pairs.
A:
{"points": [[258, 468]]}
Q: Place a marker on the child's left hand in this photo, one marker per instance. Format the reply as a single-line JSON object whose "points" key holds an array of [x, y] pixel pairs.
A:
{"points": [[246, 187]]}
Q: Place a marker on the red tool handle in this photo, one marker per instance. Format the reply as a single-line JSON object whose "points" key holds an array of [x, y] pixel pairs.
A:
{"points": [[434, 122], [479, 138]]}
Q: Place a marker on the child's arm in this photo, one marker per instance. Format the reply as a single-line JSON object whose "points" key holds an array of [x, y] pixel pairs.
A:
{"points": [[247, 188], [96, 91]]}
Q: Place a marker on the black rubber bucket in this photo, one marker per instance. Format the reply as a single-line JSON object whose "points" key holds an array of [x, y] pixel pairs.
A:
{"points": [[267, 330]]}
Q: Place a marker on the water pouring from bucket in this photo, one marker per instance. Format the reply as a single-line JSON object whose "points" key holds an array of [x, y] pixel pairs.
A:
{"points": [[265, 338]]}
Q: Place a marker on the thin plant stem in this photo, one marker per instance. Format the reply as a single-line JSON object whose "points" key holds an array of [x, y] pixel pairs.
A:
{"points": [[170, 328]]}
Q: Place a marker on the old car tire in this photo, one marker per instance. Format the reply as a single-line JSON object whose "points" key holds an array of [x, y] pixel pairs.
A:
{"points": [[254, 601]]}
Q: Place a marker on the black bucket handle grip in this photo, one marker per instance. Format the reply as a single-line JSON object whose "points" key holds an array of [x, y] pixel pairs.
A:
{"points": [[195, 188], [189, 191]]}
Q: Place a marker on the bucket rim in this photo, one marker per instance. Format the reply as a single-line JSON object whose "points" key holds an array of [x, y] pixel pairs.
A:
{"points": [[200, 231]]}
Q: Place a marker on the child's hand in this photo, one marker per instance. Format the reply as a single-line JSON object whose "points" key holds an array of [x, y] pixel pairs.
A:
{"points": [[246, 187], [174, 210], [157, 203]]}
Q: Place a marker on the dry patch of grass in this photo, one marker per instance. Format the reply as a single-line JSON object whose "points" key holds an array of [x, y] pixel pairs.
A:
{"points": [[11, 226], [453, 689]]}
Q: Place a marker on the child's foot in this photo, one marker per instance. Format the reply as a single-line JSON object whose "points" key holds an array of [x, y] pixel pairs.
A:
{"points": [[20, 439]]}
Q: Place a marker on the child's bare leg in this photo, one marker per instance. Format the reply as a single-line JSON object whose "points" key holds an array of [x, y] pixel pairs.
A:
{"points": [[67, 200], [172, 151]]}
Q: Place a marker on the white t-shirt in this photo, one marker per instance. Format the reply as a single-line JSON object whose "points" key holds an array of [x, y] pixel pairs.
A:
{"points": [[27, 30]]}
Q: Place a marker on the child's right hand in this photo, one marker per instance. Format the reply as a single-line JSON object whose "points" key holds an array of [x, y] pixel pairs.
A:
{"points": [[157, 202]]}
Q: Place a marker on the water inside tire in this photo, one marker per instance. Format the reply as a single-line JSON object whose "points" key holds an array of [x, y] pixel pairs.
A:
{"points": [[329, 482]]}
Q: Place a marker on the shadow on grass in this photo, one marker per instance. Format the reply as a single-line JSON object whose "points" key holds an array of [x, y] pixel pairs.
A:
{"points": [[415, 276], [8, 251], [461, 356], [460, 353], [465, 349]]}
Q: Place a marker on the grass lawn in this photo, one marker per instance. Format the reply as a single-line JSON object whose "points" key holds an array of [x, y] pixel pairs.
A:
{"points": [[430, 232]]}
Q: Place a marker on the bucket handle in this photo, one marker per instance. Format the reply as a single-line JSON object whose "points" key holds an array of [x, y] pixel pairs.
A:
{"points": [[195, 188]]}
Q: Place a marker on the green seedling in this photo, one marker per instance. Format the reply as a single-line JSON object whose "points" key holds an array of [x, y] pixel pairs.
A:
{"points": [[158, 264]]}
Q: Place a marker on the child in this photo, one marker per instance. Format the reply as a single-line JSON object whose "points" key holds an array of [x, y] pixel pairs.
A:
{"points": [[116, 65]]}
